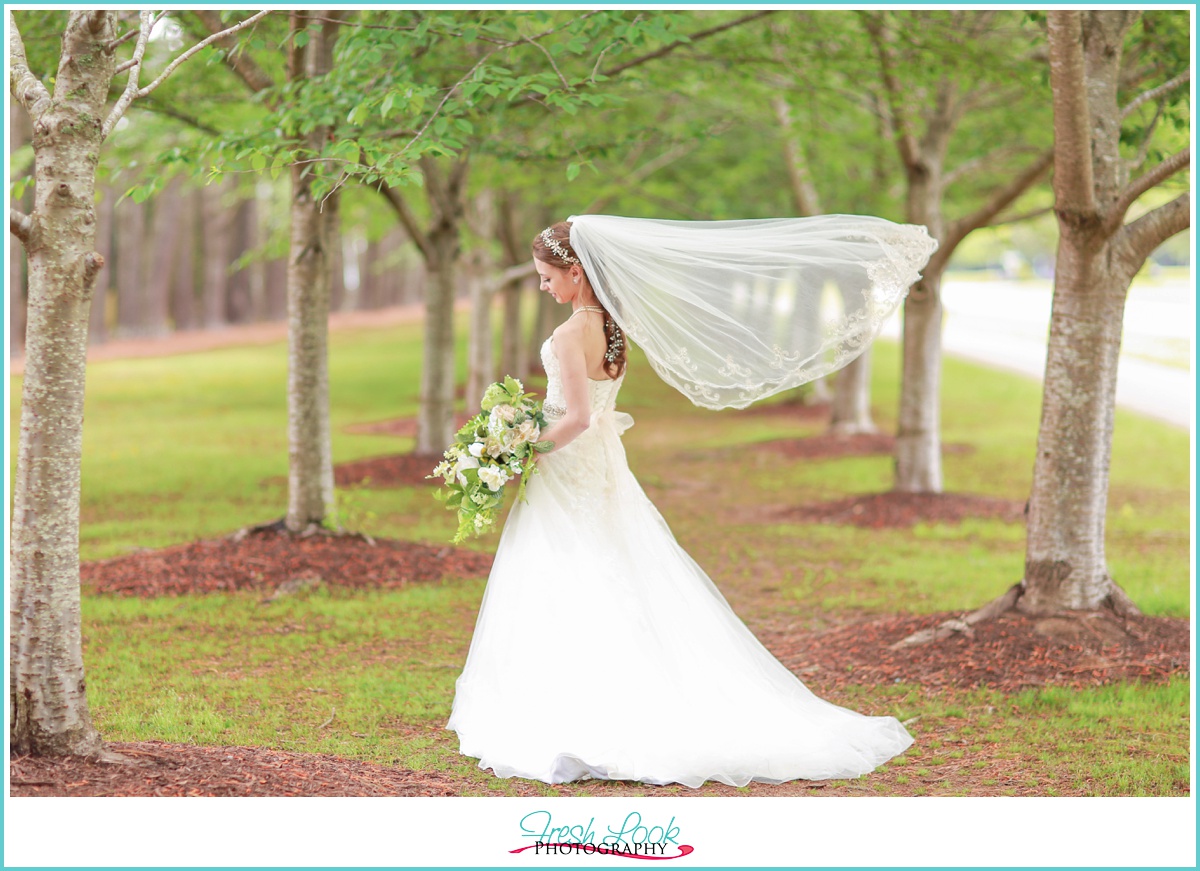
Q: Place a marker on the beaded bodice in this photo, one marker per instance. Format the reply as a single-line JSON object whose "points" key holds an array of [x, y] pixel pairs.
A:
{"points": [[603, 394]]}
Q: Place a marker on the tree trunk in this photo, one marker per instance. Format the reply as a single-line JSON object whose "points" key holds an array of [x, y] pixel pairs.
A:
{"points": [[239, 296], [183, 284], [481, 368], [1065, 566], [371, 277], [337, 247], [16, 299], [852, 398], [918, 439], [543, 325], [20, 133], [1098, 256], [218, 248], [130, 244], [310, 453], [47, 696], [435, 422], [512, 349], [105, 227], [166, 239], [275, 281]]}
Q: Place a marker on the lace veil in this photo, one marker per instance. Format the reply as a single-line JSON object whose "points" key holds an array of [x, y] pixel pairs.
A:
{"points": [[729, 312]]}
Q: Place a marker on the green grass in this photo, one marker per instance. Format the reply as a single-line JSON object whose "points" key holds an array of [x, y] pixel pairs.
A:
{"points": [[194, 446]]}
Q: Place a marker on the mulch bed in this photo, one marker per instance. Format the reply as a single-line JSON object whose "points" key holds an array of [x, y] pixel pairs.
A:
{"points": [[1012, 652], [401, 427], [392, 470], [899, 510], [162, 769], [791, 408], [270, 560], [829, 445]]}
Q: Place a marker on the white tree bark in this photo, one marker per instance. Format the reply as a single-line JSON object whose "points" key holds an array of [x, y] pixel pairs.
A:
{"points": [[47, 693], [47, 697], [1065, 562], [851, 407]]}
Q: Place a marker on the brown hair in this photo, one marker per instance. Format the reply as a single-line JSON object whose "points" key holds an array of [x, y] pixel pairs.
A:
{"points": [[561, 233]]}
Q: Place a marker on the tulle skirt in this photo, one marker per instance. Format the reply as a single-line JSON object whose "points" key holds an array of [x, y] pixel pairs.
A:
{"points": [[603, 650]]}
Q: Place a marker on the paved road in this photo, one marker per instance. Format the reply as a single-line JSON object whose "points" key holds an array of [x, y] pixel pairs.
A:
{"points": [[1005, 324]]}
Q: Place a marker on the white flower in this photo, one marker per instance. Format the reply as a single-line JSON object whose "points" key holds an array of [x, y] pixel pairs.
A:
{"points": [[475, 449], [527, 432], [462, 465], [492, 447], [494, 476], [500, 419]]}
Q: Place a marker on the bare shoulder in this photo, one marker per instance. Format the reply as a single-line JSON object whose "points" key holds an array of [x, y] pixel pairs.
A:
{"points": [[570, 333]]}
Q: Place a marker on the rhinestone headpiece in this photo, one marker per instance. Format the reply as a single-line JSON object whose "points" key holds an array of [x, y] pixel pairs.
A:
{"points": [[554, 245]]}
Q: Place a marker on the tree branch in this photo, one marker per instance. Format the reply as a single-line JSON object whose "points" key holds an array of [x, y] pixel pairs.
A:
{"points": [[1173, 164], [20, 225], [1149, 231], [1154, 93], [1000, 200], [694, 37], [25, 86], [906, 143], [241, 63], [156, 108], [997, 154], [1021, 216], [1074, 190], [407, 218], [131, 86], [224, 34], [509, 275]]}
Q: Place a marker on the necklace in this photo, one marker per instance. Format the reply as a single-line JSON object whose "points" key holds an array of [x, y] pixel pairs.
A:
{"points": [[586, 308]]}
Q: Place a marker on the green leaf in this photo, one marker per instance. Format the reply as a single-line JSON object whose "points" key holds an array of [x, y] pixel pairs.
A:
{"points": [[258, 162], [301, 39], [572, 171]]}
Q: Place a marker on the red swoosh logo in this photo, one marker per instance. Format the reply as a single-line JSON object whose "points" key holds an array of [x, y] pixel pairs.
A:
{"points": [[684, 850]]}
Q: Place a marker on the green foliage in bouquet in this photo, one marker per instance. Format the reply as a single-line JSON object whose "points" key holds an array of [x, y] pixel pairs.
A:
{"points": [[494, 447]]}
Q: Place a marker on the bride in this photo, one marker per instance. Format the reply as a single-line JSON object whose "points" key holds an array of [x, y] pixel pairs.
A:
{"points": [[601, 649]]}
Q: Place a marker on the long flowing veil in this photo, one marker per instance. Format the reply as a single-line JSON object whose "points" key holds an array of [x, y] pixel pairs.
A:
{"points": [[729, 312]]}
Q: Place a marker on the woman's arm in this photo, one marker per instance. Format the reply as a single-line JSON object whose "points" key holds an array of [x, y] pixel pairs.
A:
{"points": [[568, 348]]}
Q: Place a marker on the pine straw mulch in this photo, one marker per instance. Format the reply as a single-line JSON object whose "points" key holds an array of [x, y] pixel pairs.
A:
{"points": [[278, 562], [1010, 653], [162, 769]]}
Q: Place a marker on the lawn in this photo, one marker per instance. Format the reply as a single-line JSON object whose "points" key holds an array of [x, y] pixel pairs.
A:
{"points": [[194, 446]]}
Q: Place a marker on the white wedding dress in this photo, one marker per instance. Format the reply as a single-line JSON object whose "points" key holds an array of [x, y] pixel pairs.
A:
{"points": [[603, 650]]}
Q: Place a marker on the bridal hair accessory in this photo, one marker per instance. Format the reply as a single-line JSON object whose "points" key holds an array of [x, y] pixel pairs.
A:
{"points": [[615, 341], [559, 251], [730, 312]]}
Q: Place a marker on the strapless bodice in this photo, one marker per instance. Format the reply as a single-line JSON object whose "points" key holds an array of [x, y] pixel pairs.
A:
{"points": [[602, 394]]}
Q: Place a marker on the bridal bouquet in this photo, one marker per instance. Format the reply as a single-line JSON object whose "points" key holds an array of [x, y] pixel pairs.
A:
{"points": [[491, 449]]}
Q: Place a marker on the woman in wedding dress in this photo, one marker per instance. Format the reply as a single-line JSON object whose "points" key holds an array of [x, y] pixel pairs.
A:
{"points": [[601, 648]]}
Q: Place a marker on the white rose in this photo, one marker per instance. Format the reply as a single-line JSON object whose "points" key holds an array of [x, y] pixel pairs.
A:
{"points": [[462, 465], [494, 476], [528, 431], [500, 419], [475, 449]]}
